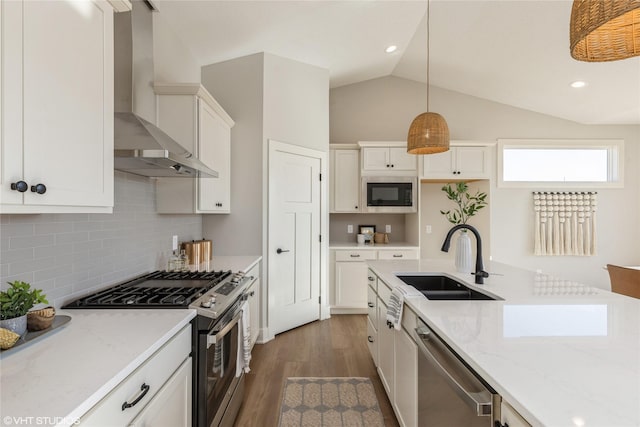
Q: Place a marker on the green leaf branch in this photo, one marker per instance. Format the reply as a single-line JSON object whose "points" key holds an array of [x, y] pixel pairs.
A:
{"points": [[467, 204], [18, 299]]}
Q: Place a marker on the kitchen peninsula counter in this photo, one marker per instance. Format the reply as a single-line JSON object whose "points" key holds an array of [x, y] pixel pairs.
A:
{"points": [[561, 353], [57, 378]]}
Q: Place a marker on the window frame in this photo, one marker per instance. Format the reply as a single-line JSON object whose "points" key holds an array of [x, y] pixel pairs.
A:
{"points": [[615, 167]]}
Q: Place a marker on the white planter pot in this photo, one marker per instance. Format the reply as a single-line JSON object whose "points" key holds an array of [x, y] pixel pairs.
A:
{"points": [[464, 261], [16, 324]]}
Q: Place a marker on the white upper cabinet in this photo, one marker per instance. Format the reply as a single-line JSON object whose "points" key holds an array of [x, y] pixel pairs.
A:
{"points": [[460, 162], [388, 158], [345, 180], [190, 115], [56, 107]]}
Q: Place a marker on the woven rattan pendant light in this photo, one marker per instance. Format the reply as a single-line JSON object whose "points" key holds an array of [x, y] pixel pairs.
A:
{"points": [[428, 133], [604, 30]]}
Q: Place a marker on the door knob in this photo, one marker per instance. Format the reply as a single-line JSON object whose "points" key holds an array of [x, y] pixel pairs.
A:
{"points": [[20, 186], [40, 189], [279, 251]]}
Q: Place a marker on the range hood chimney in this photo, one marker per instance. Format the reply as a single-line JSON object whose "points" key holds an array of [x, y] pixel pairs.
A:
{"points": [[140, 146]]}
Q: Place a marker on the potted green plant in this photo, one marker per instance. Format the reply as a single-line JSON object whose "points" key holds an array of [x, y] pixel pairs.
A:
{"points": [[467, 205], [15, 302]]}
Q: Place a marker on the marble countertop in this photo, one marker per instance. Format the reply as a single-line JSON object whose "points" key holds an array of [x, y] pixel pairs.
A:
{"points": [[561, 353], [63, 374]]}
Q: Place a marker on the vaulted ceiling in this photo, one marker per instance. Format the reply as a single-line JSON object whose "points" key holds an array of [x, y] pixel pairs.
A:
{"points": [[514, 52]]}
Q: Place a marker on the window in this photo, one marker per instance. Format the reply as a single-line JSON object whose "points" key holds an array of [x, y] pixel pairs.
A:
{"points": [[560, 163]]}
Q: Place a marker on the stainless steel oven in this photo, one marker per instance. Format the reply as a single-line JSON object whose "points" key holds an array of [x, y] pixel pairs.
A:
{"points": [[220, 383], [449, 392]]}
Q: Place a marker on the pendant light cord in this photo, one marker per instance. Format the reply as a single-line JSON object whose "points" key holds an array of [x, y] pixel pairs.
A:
{"points": [[428, 51]]}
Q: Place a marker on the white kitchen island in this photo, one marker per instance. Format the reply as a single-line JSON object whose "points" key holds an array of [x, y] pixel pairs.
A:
{"points": [[561, 353]]}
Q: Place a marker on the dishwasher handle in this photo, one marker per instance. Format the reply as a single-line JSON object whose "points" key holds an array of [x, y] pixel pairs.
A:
{"points": [[482, 401]]}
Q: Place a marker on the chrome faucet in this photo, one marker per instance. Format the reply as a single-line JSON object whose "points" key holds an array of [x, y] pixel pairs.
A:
{"points": [[479, 273]]}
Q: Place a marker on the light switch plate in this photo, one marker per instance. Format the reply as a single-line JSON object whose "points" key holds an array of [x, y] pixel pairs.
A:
{"points": [[350, 228], [428, 229]]}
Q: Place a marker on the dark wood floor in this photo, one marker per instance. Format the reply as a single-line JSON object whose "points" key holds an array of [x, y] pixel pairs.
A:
{"points": [[336, 347]]}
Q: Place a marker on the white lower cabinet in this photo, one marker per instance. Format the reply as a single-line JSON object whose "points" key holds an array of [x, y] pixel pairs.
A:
{"points": [[350, 275], [509, 417], [372, 340], [386, 361], [406, 377], [254, 304], [163, 376], [171, 407]]}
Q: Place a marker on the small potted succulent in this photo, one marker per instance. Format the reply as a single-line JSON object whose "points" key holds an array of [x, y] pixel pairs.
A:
{"points": [[15, 302], [467, 206]]}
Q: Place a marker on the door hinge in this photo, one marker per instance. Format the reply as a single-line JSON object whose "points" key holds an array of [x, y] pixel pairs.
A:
{"points": [[320, 177], [319, 300], [320, 238]]}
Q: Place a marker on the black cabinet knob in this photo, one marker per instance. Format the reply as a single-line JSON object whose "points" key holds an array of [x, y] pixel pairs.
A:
{"points": [[356, 207], [39, 188], [19, 186], [392, 165]]}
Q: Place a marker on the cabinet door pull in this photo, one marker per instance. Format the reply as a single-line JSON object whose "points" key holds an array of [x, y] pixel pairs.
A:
{"points": [[144, 389], [39, 188], [370, 338], [397, 256], [370, 304], [19, 186], [355, 255], [370, 278]]}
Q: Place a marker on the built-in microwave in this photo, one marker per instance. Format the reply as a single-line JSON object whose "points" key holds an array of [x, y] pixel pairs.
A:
{"points": [[389, 194]]}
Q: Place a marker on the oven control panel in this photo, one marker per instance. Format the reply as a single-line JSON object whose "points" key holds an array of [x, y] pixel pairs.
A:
{"points": [[216, 301]]}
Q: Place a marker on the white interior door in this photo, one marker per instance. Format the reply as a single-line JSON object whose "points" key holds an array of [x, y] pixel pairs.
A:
{"points": [[294, 236]]}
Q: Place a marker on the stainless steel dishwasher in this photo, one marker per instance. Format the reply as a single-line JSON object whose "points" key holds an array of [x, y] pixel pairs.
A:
{"points": [[449, 392]]}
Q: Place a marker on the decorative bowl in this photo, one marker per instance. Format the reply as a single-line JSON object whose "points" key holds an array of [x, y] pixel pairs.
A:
{"points": [[40, 319]]}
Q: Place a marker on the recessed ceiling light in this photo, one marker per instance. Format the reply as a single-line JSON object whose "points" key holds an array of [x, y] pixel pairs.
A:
{"points": [[391, 48], [578, 84]]}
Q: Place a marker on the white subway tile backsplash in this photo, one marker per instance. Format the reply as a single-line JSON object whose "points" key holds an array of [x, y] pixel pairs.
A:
{"points": [[70, 255], [31, 241]]}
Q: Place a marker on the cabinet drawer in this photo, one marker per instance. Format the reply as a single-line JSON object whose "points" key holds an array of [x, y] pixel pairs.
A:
{"points": [[355, 255], [398, 254], [372, 341], [372, 305], [372, 280], [384, 291], [154, 372]]}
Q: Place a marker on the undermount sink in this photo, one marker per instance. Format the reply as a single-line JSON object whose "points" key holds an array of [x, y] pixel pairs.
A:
{"points": [[443, 288]]}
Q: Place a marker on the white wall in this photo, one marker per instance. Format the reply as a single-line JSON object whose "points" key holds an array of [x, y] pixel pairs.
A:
{"points": [[173, 61], [382, 109], [238, 86], [268, 97]]}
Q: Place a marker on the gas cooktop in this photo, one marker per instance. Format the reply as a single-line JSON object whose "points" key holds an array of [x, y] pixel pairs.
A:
{"points": [[160, 289]]}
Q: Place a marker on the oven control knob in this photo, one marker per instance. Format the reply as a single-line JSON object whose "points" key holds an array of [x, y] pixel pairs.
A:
{"points": [[205, 304]]}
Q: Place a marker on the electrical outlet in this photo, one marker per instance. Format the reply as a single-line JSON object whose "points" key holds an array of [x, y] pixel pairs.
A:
{"points": [[350, 228], [428, 229], [387, 228], [174, 244]]}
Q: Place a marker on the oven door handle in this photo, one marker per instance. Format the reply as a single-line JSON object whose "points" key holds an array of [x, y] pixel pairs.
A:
{"points": [[215, 336]]}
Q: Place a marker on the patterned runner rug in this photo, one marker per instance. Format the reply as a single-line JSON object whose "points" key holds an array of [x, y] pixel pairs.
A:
{"points": [[330, 402]]}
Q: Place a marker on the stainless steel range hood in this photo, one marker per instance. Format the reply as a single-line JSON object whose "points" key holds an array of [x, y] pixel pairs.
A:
{"points": [[141, 147]]}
